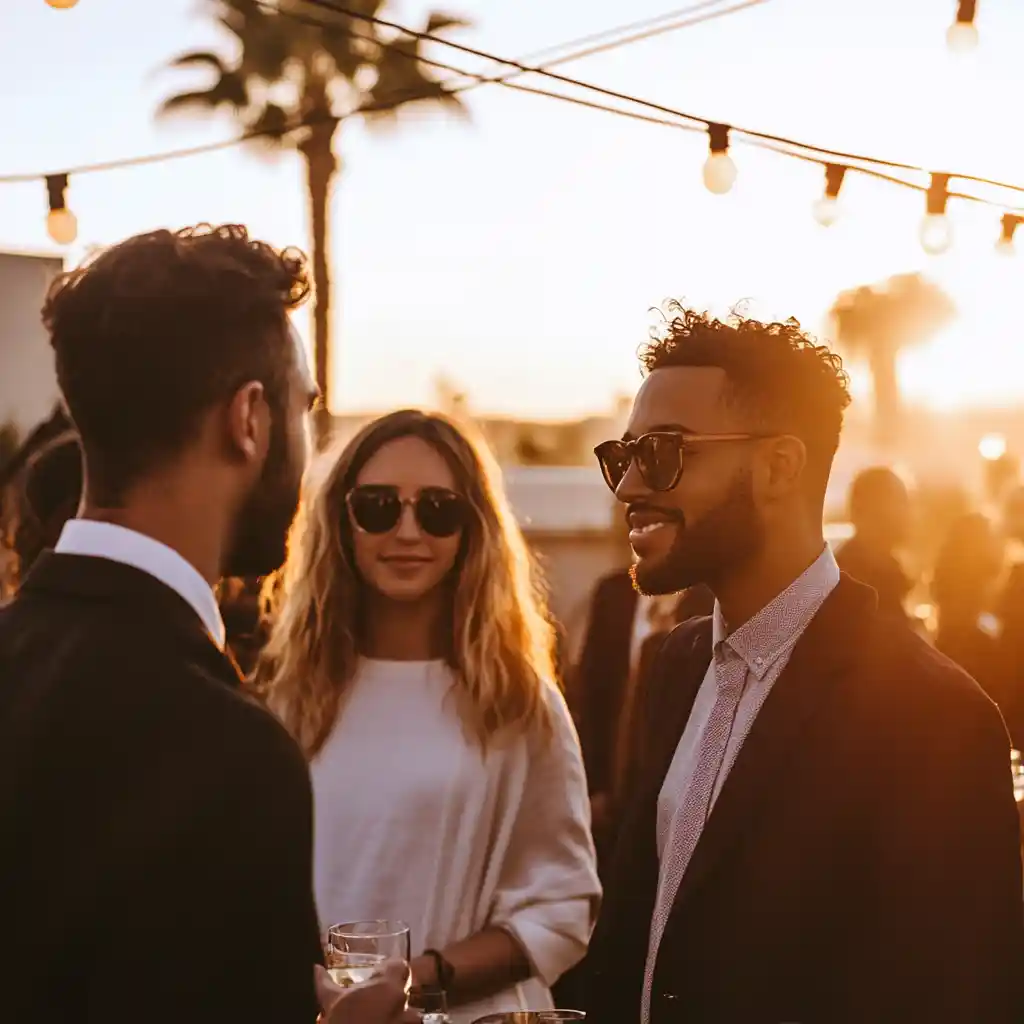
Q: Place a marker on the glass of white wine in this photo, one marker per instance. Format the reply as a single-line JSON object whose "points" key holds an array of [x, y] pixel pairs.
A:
{"points": [[355, 950]]}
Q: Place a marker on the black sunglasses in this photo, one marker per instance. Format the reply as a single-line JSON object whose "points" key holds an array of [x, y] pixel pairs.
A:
{"points": [[659, 456], [377, 508]]}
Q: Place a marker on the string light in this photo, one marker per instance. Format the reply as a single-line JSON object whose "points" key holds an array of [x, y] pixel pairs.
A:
{"points": [[826, 209], [62, 5], [61, 223], [962, 36], [719, 169], [1009, 225], [936, 233]]}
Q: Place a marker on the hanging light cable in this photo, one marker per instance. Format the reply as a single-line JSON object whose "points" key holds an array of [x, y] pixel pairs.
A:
{"points": [[719, 169], [826, 209], [1008, 227], [936, 234], [962, 36], [61, 223]]}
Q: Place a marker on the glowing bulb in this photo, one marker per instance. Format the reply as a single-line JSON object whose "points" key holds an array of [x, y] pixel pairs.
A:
{"points": [[1005, 247], [719, 173], [962, 37], [62, 5], [62, 226], [826, 211], [936, 233], [992, 447]]}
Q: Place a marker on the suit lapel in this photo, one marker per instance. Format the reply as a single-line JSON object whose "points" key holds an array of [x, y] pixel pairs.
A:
{"points": [[820, 659]]}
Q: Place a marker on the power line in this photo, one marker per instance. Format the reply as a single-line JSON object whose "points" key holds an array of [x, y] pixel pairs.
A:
{"points": [[757, 143], [676, 119], [660, 108], [613, 39], [645, 24], [649, 26]]}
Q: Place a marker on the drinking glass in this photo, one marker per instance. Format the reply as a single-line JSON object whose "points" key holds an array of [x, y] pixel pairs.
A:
{"points": [[432, 1004], [532, 1017], [356, 949]]}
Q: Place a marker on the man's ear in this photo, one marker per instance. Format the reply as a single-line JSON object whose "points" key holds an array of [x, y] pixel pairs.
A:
{"points": [[786, 457], [248, 422]]}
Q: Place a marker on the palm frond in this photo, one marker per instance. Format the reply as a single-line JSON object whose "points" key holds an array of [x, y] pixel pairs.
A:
{"points": [[272, 123], [439, 21], [200, 58]]}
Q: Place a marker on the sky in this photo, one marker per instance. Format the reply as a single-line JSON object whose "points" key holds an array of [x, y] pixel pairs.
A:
{"points": [[520, 253]]}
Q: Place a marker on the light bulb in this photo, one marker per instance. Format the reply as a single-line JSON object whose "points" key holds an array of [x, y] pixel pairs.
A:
{"points": [[62, 226], [936, 233], [719, 173], [62, 5], [992, 447], [962, 37], [826, 210], [1005, 247]]}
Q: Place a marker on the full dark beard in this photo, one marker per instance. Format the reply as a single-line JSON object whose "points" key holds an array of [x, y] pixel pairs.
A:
{"points": [[704, 551], [261, 532]]}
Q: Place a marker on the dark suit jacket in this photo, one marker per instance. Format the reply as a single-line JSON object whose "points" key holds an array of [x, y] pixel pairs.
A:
{"points": [[155, 823], [602, 675], [862, 861]]}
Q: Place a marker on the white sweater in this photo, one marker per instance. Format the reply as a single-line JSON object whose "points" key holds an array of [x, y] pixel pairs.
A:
{"points": [[413, 823]]}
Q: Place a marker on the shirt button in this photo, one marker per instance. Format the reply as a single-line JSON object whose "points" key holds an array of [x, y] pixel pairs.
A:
{"points": [[759, 661]]}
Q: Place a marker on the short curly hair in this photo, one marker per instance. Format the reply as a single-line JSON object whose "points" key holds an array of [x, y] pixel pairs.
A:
{"points": [[777, 373], [154, 331]]}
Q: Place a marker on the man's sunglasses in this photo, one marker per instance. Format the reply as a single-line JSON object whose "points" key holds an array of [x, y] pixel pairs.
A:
{"points": [[377, 508], [658, 456]]}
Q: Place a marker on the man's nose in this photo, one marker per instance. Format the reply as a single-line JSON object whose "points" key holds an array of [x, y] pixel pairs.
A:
{"points": [[632, 486]]}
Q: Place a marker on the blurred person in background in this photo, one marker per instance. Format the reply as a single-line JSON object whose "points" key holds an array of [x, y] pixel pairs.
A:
{"points": [[185, 847], [880, 512], [1010, 610], [824, 827], [51, 492], [967, 568], [411, 657]]}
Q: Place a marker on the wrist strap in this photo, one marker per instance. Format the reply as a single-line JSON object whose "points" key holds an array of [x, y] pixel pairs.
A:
{"points": [[443, 968]]}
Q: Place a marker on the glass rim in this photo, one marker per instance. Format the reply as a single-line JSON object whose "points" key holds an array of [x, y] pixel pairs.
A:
{"points": [[358, 929]]}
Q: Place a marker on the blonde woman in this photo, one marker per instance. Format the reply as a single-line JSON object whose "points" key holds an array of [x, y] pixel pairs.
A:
{"points": [[411, 658]]}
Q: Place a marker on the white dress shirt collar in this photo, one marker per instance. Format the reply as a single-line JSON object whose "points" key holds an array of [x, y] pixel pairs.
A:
{"points": [[119, 544], [775, 629]]}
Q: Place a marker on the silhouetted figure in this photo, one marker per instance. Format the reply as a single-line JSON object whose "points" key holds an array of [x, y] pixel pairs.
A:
{"points": [[966, 570], [52, 489], [1010, 610], [879, 508]]}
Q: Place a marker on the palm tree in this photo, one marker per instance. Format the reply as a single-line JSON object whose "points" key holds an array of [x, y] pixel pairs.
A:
{"points": [[299, 71], [877, 322]]}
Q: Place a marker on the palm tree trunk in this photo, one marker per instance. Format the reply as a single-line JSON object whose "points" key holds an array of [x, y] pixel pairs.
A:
{"points": [[888, 403], [321, 166]]}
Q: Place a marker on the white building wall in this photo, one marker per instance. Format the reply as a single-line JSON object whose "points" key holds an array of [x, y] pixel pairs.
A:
{"points": [[28, 387]]}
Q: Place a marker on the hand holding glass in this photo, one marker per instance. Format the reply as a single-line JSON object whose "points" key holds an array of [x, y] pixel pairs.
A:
{"points": [[355, 950]]}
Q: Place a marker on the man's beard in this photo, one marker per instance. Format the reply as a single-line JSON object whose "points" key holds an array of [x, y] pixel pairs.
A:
{"points": [[704, 551], [261, 531]]}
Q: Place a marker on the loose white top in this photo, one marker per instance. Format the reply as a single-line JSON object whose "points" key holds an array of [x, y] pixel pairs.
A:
{"points": [[414, 823]]}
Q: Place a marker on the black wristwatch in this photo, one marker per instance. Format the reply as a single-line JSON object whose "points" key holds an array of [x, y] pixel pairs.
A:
{"points": [[443, 968]]}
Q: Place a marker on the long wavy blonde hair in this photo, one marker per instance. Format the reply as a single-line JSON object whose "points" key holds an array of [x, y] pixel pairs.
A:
{"points": [[501, 643]]}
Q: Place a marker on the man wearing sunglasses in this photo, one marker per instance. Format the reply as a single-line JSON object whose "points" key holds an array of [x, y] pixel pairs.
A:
{"points": [[823, 827]]}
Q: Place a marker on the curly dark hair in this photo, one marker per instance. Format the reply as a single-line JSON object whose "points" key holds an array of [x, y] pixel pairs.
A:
{"points": [[154, 331], [777, 373]]}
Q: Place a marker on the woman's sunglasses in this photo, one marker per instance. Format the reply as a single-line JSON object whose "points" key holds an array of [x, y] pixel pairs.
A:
{"points": [[377, 508], [659, 456]]}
